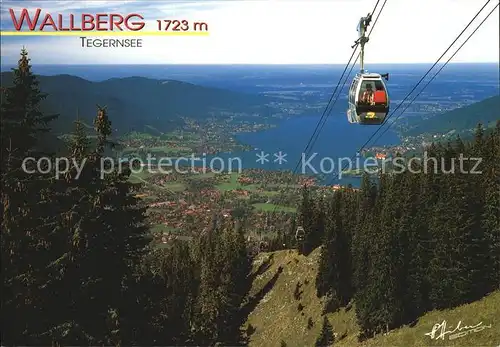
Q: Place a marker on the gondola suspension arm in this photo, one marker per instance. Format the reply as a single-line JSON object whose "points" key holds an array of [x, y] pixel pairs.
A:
{"points": [[364, 22]]}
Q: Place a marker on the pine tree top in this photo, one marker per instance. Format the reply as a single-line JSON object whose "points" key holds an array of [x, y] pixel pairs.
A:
{"points": [[24, 63], [102, 123]]}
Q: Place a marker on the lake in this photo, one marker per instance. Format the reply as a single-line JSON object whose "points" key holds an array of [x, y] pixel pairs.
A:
{"points": [[338, 140]]}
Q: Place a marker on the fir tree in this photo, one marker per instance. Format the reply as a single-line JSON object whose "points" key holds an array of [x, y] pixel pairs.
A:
{"points": [[206, 307], [107, 239], [22, 120], [491, 216], [326, 338], [315, 236], [28, 242], [414, 243], [334, 274]]}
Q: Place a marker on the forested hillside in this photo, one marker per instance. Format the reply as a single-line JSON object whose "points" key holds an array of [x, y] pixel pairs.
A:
{"points": [[421, 240], [461, 120], [416, 241], [78, 268]]}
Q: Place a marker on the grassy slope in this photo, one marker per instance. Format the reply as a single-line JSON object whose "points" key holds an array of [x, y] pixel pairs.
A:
{"points": [[275, 315]]}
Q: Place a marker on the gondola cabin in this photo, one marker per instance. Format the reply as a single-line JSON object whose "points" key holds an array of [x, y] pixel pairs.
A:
{"points": [[300, 234], [368, 99]]}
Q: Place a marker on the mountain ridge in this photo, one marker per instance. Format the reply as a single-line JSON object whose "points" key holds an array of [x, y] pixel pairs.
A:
{"points": [[461, 120], [138, 101]]}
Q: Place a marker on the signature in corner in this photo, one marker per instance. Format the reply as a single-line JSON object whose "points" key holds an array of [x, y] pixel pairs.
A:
{"points": [[439, 330]]}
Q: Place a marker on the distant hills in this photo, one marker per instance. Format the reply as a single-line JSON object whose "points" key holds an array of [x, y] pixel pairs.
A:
{"points": [[460, 120], [148, 105], [135, 103]]}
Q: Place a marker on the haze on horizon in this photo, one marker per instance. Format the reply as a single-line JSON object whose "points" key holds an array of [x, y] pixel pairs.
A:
{"points": [[272, 32]]}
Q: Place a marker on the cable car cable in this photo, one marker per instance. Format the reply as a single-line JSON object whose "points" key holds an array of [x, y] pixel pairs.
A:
{"points": [[347, 77], [325, 113], [323, 119], [328, 105], [420, 81], [349, 74], [320, 123], [425, 75], [318, 126], [435, 75]]}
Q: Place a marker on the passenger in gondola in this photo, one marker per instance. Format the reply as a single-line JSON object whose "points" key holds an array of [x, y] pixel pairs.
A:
{"points": [[368, 95], [379, 96]]}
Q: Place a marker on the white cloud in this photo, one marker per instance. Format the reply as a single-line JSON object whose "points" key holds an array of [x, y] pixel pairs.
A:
{"points": [[295, 32]]}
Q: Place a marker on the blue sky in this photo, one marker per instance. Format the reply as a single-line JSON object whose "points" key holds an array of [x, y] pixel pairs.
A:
{"points": [[269, 32]]}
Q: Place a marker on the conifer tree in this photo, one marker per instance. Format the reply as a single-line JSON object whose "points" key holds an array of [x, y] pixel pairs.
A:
{"points": [[385, 258], [79, 146], [237, 266], [460, 243], [326, 276], [472, 190], [445, 239], [361, 238], [362, 256], [27, 212], [107, 239], [491, 216], [326, 338], [205, 319], [334, 274], [414, 248], [364, 279], [315, 236], [147, 298], [22, 120], [224, 283]]}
